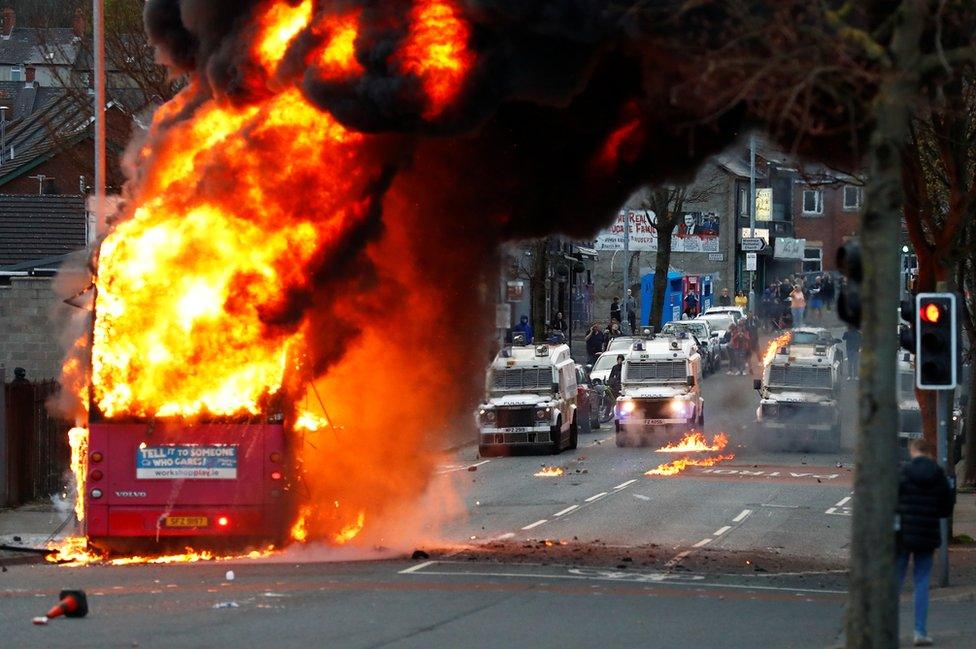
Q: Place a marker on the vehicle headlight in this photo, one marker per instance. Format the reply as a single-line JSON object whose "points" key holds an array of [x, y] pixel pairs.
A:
{"points": [[542, 414], [487, 416], [680, 408], [625, 408]]}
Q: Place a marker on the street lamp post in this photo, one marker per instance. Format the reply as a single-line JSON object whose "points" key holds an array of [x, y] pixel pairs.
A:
{"points": [[752, 217], [98, 65]]}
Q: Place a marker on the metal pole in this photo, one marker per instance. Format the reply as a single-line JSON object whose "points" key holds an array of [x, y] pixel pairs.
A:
{"points": [[943, 407], [4, 487], [626, 264], [752, 218], [98, 63]]}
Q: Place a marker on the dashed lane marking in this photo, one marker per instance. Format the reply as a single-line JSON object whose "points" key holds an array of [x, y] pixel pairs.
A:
{"points": [[596, 497], [676, 559], [566, 511], [535, 524], [841, 508], [419, 566], [702, 543], [742, 516], [641, 497], [842, 502], [722, 530], [507, 535], [624, 485]]}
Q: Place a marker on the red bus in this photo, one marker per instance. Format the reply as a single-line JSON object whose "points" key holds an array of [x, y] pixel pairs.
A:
{"points": [[162, 484]]}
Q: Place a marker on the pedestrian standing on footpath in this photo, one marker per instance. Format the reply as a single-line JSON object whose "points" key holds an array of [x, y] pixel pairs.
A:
{"points": [[852, 339], [798, 303], [615, 310], [630, 306], [612, 332], [595, 343], [924, 496], [741, 300], [559, 323], [724, 299]]}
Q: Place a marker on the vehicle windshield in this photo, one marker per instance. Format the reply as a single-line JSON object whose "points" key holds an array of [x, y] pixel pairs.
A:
{"points": [[604, 363], [696, 328], [655, 372], [521, 379], [810, 338], [620, 342], [719, 322]]}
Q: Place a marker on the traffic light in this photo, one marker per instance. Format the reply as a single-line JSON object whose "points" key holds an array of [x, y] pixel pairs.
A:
{"points": [[936, 341], [849, 296]]}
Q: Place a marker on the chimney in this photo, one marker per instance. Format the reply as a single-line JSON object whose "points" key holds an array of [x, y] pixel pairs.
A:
{"points": [[7, 23], [29, 72], [78, 24]]}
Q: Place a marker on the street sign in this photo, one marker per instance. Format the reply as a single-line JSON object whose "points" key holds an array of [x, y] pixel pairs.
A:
{"points": [[714, 256], [750, 261], [752, 244]]}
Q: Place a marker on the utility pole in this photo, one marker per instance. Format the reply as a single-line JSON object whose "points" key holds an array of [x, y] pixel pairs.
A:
{"points": [[98, 64], [752, 217], [872, 605], [3, 131], [626, 264]]}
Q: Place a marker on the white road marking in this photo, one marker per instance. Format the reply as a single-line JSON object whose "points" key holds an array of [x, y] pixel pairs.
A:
{"points": [[419, 566], [535, 524], [640, 497], [702, 543], [507, 535], [781, 506], [624, 485], [566, 511], [742, 516], [843, 502], [599, 495], [722, 530], [623, 577]]}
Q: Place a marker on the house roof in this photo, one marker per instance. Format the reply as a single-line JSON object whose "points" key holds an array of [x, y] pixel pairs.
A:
{"points": [[34, 227], [38, 45], [36, 137]]}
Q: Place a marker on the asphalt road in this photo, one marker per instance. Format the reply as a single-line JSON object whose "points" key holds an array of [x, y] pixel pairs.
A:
{"points": [[749, 551]]}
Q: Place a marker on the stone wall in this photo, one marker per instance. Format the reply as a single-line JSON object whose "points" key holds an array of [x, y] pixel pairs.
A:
{"points": [[29, 335]]}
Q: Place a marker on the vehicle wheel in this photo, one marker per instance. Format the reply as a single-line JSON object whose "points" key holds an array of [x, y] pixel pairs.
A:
{"points": [[574, 434], [833, 443], [701, 418], [765, 442], [619, 440], [556, 434], [488, 451]]}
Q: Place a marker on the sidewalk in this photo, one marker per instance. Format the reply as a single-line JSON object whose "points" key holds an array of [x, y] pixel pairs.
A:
{"points": [[29, 526]]}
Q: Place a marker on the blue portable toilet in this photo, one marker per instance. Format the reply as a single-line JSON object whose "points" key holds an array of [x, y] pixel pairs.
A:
{"points": [[707, 293], [673, 298]]}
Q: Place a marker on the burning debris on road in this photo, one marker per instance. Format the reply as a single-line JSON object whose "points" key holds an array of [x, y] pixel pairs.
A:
{"points": [[549, 472], [693, 442]]}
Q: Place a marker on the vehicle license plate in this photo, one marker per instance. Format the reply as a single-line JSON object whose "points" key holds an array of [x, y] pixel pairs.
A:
{"points": [[186, 521]]}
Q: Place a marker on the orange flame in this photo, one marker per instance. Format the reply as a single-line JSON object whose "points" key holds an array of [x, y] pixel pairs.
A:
{"points": [[78, 441], [436, 50], [336, 59], [310, 422], [299, 531], [74, 551], [549, 472], [774, 345], [282, 24], [693, 442], [351, 531]]}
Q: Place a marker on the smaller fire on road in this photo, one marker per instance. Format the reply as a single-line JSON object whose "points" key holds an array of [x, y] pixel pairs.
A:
{"points": [[694, 442]]}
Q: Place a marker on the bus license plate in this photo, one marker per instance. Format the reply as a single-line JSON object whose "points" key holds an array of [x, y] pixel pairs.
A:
{"points": [[186, 521]]}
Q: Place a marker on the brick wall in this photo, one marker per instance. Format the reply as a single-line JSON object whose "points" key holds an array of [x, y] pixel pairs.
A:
{"points": [[29, 311], [828, 230]]}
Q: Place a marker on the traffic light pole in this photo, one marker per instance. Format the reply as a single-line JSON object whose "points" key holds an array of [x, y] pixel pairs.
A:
{"points": [[943, 412]]}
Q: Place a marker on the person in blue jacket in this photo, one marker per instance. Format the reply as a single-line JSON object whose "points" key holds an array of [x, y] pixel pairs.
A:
{"points": [[524, 328]]}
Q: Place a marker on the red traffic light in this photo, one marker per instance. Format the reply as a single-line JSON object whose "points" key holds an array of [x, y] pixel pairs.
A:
{"points": [[931, 313]]}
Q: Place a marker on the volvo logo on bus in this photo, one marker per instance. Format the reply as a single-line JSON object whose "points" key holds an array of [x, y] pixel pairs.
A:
{"points": [[130, 494]]}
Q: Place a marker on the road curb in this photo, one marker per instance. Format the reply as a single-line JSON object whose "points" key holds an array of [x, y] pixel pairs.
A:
{"points": [[953, 594]]}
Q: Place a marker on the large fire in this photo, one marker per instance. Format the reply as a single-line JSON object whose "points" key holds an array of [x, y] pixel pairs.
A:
{"points": [[693, 442], [237, 211]]}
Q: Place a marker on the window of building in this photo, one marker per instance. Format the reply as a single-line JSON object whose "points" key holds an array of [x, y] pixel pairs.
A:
{"points": [[744, 201], [852, 197], [813, 260], [812, 201], [16, 73]]}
